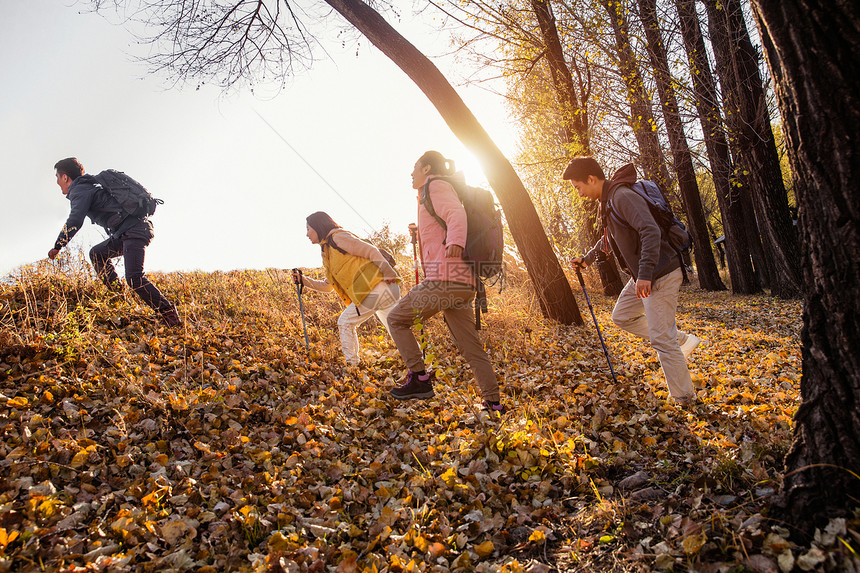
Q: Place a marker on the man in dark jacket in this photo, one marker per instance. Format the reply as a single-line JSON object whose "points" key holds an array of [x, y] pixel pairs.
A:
{"points": [[647, 305], [89, 198]]}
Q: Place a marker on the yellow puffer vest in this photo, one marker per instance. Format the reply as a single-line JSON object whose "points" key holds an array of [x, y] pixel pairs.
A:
{"points": [[351, 276]]}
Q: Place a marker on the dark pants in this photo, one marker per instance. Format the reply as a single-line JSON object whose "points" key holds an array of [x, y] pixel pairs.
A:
{"points": [[132, 250]]}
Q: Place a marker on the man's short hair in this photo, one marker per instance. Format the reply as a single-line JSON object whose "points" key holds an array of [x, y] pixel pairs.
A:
{"points": [[70, 166], [580, 168]]}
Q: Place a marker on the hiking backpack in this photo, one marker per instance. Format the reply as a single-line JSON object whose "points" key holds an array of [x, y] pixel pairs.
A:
{"points": [[485, 242], [389, 258], [672, 229], [133, 198]]}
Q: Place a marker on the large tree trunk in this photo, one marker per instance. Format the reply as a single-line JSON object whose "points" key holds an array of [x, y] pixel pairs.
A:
{"points": [[641, 117], [553, 290], [575, 119], [706, 266], [728, 196], [757, 159], [812, 54]]}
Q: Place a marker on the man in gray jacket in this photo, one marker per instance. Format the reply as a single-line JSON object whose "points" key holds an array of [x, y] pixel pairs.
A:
{"points": [[87, 198], [647, 305]]}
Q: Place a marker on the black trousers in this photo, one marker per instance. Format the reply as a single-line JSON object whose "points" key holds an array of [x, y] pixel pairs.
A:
{"points": [[133, 250]]}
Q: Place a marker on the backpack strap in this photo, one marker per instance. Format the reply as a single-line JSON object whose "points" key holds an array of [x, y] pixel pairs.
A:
{"points": [[335, 246], [428, 204], [611, 212], [330, 242], [125, 225], [480, 302]]}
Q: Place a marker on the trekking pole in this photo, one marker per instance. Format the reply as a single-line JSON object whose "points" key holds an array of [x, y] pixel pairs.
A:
{"points": [[300, 285], [597, 326], [414, 232]]}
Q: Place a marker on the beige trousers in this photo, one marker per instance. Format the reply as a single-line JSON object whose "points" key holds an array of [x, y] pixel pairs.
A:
{"points": [[453, 300], [653, 319], [379, 303]]}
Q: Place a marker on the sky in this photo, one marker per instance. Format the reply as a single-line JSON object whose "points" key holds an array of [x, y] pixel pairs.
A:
{"points": [[238, 172]]}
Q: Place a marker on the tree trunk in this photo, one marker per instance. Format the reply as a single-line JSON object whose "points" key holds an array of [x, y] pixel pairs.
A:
{"points": [[705, 92], [641, 117], [757, 158], [706, 266], [812, 54], [742, 182], [553, 289], [575, 122]]}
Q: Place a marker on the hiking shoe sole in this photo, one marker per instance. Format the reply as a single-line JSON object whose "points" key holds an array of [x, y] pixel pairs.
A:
{"points": [[413, 396]]}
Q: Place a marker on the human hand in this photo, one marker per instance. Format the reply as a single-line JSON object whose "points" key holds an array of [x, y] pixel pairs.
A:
{"points": [[578, 263], [297, 277], [454, 252], [52, 254], [643, 288], [413, 231]]}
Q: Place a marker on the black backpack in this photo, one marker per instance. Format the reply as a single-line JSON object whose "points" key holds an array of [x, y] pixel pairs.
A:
{"points": [[673, 230], [485, 242], [134, 200]]}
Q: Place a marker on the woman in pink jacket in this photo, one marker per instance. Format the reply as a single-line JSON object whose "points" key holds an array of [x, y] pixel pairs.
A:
{"points": [[448, 287]]}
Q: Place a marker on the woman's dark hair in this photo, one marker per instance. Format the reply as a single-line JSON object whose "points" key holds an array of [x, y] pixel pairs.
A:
{"points": [[322, 223], [437, 162], [70, 166], [580, 168]]}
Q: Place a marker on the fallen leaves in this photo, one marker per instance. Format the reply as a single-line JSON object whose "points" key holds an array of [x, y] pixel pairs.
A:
{"points": [[127, 446]]}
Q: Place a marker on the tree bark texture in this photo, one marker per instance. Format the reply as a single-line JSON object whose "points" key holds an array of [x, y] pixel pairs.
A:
{"points": [[553, 289], [812, 54], [757, 159], [705, 94], [706, 265], [641, 116]]}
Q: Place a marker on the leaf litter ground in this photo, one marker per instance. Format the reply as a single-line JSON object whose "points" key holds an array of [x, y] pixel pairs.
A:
{"points": [[226, 446]]}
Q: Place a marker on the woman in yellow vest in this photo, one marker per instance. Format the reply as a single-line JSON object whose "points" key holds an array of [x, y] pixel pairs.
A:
{"points": [[358, 272]]}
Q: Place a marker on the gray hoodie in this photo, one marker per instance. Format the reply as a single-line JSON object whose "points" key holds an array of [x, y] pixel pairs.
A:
{"points": [[639, 245]]}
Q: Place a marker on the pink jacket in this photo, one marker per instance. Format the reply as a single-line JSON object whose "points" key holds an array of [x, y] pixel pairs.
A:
{"points": [[432, 237]]}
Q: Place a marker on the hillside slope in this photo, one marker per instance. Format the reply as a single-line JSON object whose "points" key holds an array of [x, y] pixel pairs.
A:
{"points": [[225, 445]]}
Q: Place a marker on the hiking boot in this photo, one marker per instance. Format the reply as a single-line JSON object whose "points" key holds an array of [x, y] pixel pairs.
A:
{"points": [[170, 316], [690, 345], [415, 387], [493, 407]]}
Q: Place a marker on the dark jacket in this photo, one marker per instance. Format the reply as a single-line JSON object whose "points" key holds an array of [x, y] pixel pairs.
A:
{"points": [[633, 234], [87, 198]]}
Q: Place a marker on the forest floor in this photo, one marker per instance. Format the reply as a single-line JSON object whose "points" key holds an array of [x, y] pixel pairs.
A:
{"points": [[225, 445]]}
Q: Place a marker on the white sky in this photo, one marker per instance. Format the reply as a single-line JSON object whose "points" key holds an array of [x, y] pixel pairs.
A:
{"points": [[236, 196]]}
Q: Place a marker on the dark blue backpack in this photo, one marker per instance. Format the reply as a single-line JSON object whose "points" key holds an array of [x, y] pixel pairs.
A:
{"points": [[135, 202], [674, 231]]}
